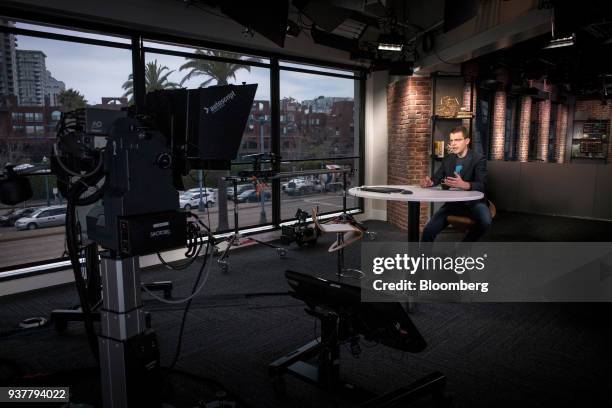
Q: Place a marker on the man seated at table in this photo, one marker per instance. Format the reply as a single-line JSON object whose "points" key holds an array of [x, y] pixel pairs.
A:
{"points": [[466, 170]]}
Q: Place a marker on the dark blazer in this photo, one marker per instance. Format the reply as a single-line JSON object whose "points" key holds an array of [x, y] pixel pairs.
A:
{"points": [[474, 170]]}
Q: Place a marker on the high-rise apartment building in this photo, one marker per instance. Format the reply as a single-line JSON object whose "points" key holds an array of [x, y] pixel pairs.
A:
{"points": [[8, 61], [52, 90], [31, 77]]}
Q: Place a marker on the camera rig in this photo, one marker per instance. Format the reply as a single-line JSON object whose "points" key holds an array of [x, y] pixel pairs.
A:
{"points": [[128, 167]]}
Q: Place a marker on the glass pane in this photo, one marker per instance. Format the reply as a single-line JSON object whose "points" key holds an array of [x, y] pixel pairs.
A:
{"points": [[324, 191], [194, 73], [318, 116], [39, 78]]}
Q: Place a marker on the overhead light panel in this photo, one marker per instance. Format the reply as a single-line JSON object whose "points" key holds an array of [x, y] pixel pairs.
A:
{"points": [[561, 42], [390, 42]]}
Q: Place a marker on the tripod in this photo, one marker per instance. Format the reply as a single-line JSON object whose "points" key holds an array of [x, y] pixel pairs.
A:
{"points": [[234, 240]]}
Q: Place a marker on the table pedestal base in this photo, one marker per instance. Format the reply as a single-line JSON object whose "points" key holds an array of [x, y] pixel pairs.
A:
{"points": [[414, 209]]}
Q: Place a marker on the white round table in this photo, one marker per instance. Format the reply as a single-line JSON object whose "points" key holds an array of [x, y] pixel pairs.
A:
{"points": [[419, 194]]}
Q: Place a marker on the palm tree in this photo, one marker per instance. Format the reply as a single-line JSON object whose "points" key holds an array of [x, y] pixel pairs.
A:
{"points": [[218, 71], [155, 79], [221, 72], [71, 99]]}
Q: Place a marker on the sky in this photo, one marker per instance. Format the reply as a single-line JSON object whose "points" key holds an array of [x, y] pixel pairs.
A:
{"points": [[97, 71]]}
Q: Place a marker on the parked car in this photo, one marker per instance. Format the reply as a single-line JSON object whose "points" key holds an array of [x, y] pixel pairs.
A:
{"points": [[8, 219], [212, 192], [301, 186], [43, 217], [192, 200], [250, 196], [241, 189], [297, 181]]}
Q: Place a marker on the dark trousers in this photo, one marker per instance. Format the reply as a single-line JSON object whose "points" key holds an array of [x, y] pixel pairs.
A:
{"points": [[479, 212]]}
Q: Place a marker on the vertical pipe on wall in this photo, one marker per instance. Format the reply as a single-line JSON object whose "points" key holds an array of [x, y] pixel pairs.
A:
{"points": [[499, 126], [544, 129], [560, 133], [525, 119]]}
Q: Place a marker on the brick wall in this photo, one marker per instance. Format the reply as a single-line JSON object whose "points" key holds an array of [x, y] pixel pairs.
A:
{"points": [[409, 126], [499, 126], [525, 120], [593, 109], [543, 129], [561, 133]]}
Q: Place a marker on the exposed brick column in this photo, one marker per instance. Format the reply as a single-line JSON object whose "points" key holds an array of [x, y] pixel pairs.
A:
{"points": [[525, 121], [499, 126], [543, 129], [409, 124], [561, 133]]}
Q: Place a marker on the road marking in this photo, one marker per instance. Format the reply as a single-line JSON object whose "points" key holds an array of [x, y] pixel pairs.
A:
{"points": [[311, 201]]}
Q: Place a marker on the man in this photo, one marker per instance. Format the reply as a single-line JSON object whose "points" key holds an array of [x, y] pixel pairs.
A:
{"points": [[466, 170]]}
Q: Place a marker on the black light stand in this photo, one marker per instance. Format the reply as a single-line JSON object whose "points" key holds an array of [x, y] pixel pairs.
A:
{"points": [[234, 239]]}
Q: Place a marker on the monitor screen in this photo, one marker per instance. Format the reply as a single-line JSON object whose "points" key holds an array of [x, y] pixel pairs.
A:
{"points": [[385, 322]]}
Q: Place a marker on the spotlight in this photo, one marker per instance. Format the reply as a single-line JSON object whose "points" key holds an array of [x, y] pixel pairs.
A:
{"points": [[561, 42], [390, 42]]}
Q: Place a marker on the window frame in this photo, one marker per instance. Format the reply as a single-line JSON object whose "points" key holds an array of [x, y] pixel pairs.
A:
{"points": [[138, 50]]}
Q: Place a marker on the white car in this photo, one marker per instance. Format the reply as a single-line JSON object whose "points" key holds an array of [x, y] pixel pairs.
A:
{"points": [[44, 217], [212, 192], [298, 182], [192, 200]]}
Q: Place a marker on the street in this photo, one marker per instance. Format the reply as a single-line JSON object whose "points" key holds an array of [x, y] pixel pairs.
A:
{"points": [[20, 247]]}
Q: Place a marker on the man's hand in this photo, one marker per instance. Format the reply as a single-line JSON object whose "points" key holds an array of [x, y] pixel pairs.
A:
{"points": [[426, 182], [457, 182]]}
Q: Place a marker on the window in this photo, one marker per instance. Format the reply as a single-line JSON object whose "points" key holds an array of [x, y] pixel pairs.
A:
{"points": [[319, 133], [318, 112], [34, 111], [194, 72]]}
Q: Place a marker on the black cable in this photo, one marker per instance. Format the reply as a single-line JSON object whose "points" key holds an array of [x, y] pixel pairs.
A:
{"points": [[74, 194], [186, 310], [193, 249]]}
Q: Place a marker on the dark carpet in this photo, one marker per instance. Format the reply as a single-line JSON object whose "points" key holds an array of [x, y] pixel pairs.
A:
{"points": [[494, 355]]}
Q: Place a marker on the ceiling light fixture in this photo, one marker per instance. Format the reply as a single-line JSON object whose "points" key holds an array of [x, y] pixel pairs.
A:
{"points": [[390, 42], [561, 42]]}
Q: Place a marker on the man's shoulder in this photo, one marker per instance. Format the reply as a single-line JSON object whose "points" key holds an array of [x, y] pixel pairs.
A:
{"points": [[475, 156]]}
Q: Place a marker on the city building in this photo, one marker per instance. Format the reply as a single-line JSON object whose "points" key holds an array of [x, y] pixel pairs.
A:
{"points": [[53, 88], [31, 77], [8, 61]]}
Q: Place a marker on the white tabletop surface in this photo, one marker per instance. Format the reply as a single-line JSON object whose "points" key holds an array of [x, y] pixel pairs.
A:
{"points": [[431, 194]]}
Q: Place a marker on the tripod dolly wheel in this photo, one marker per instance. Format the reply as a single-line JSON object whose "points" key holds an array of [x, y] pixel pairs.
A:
{"points": [[223, 265], [282, 252]]}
